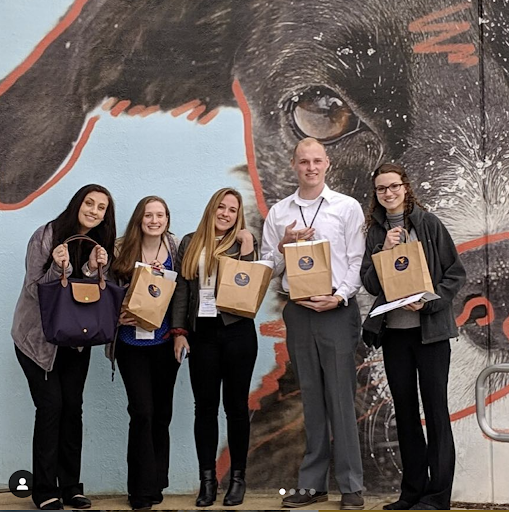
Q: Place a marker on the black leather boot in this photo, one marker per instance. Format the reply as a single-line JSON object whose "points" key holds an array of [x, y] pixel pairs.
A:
{"points": [[208, 488], [237, 488]]}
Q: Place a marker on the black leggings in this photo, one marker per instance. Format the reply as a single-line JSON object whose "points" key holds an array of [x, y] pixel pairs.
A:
{"points": [[222, 354], [407, 360], [58, 429]]}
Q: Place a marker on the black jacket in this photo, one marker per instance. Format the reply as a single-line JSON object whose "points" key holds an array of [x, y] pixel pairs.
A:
{"points": [[185, 302], [445, 267]]}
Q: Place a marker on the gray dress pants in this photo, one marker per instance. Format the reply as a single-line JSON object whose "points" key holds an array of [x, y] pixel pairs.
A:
{"points": [[322, 349]]}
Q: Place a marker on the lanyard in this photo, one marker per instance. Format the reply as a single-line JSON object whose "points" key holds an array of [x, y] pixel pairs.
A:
{"points": [[316, 213]]}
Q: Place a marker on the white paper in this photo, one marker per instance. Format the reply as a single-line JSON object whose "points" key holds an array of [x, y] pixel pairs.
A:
{"points": [[142, 334], [307, 242], [167, 274], [267, 263], [395, 304], [207, 303]]}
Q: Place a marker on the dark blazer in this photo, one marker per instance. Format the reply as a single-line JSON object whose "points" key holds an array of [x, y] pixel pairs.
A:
{"points": [[445, 267], [185, 302]]}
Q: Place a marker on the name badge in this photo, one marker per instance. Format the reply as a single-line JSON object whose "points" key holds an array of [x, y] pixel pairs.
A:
{"points": [[142, 334], [207, 303]]}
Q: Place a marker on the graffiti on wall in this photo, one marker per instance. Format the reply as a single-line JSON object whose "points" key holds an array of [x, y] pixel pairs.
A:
{"points": [[425, 84]]}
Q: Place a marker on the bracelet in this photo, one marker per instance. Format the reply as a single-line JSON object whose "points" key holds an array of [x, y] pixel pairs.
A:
{"points": [[179, 332]]}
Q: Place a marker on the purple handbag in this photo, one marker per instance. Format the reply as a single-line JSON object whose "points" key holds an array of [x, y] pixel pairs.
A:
{"points": [[80, 312]]}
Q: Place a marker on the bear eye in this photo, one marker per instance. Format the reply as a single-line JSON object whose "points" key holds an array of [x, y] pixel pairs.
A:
{"points": [[321, 114]]}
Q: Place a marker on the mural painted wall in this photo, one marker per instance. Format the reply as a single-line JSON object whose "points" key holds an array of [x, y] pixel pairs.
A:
{"points": [[181, 97]]}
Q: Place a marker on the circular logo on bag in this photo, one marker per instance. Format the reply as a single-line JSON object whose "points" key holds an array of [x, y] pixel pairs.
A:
{"points": [[401, 263], [306, 263], [242, 279], [154, 290]]}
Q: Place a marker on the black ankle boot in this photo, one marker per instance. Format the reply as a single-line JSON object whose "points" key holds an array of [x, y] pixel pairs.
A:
{"points": [[236, 489], [208, 488]]}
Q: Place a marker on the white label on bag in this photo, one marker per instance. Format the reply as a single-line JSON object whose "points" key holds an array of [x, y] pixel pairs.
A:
{"points": [[142, 334], [207, 303]]}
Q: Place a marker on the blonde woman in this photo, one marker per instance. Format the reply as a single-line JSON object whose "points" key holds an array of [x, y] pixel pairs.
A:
{"points": [[222, 347]]}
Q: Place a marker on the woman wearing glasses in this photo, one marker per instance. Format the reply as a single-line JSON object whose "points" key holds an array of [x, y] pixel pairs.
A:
{"points": [[415, 339]]}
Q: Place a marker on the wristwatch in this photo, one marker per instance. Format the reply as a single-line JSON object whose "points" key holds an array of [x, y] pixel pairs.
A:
{"points": [[339, 301]]}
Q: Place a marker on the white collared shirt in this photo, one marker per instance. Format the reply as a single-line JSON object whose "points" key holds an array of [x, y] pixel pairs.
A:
{"points": [[339, 220]]}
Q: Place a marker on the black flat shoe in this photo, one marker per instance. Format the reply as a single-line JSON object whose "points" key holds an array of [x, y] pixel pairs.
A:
{"points": [[208, 488], [157, 498], [398, 505], [140, 502], [236, 490], [56, 504], [78, 502], [303, 498]]}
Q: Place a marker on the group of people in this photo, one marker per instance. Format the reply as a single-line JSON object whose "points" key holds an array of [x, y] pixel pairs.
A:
{"points": [[322, 337]]}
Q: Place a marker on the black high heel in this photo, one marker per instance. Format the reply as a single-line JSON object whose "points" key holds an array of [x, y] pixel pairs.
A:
{"points": [[208, 488], [237, 488]]}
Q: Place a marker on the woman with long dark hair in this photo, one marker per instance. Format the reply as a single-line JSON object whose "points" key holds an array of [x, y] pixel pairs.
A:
{"points": [[146, 360], [222, 347], [415, 340], [56, 375]]}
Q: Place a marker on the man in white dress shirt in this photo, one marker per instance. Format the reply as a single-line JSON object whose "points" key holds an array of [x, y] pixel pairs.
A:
{"points": [[322, 333]]}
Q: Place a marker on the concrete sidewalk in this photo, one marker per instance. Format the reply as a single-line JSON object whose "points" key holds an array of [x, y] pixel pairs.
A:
{"points": [[186, 502]]}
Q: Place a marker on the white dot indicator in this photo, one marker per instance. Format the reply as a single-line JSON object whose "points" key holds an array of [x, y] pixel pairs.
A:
{"points": [[292, 491], [302, 492], [312, 492], [282, 491]]}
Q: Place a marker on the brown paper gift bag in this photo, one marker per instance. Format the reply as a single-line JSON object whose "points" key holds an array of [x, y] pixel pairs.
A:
{"points": [[403, 271], [148, 298], [308, 269], [242, 285]]}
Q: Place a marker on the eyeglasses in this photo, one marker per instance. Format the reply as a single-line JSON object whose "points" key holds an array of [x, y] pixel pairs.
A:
{"points": [[393, 187]]}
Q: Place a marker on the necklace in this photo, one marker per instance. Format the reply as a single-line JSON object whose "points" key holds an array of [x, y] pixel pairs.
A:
{"points": [[316, 213], [157, 253]]}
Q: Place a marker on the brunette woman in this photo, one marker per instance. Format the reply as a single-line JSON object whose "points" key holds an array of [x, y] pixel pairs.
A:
{"points": [[56, 375], [415, 340], [145, 360], [222, 346]]}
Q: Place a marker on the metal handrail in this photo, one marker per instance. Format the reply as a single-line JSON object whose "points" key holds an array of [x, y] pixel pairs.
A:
{"points": [[480, 398]]}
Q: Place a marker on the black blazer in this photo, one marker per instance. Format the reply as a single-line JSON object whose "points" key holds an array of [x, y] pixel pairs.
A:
{"points": [[185, 302], [445, 267]]}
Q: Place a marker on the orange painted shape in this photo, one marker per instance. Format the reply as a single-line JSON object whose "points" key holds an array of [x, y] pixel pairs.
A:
{"points": [[138, 109], [482, 241], [197, 112], [274, 329], [109, 104], [120, 107], [470, 305], [505, 328], [150, 110], [208, 117], [37, 52], [223, 464], [190, 105], [270, 381], [78, 148], [249, 144], [458, 53]]}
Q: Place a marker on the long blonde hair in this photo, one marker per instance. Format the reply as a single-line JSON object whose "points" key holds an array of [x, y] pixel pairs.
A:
{"points": [[205, 236]]}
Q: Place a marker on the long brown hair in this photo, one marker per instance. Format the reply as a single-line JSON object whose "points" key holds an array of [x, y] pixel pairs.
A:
{"points": [[129, 246], [205, 236], [410, 198]]}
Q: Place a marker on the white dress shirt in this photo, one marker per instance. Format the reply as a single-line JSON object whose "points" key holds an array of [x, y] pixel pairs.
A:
{"points": [[339, 220]]}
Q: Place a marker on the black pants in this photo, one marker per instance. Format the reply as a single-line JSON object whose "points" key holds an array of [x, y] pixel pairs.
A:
{"points": [[149, 375], [407, 360], [227, 354], [58, 429]]}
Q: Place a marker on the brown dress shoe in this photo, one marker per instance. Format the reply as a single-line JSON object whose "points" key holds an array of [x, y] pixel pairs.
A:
{"points": [[352, 501], [303, 498]]}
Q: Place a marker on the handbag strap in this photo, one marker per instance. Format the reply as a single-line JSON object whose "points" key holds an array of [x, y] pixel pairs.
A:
{"points": [[74, 238]]}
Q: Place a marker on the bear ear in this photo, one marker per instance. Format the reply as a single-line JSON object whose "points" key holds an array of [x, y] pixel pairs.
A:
{"points": [[43, 110]]}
